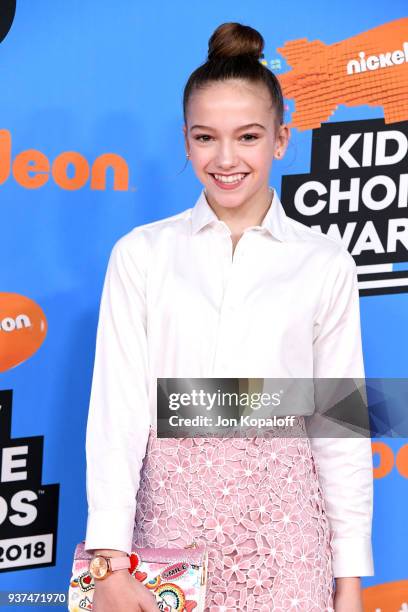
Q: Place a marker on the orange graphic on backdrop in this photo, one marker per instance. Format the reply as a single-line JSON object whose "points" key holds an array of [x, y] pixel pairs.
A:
{"points": [[370, 68], [32, 169], [387, 597], [23, 327]]}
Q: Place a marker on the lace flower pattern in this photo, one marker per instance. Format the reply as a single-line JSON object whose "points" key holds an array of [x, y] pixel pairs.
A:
{"points": [[256, 503]]}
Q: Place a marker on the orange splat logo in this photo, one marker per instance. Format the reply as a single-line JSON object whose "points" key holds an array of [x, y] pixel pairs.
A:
{"points": [[368, 69]]}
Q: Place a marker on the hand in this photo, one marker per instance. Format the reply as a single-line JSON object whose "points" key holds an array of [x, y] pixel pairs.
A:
{"points": [[347, 597], [121, 592]]}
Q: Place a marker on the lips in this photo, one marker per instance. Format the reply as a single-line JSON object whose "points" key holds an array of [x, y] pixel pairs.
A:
{"points": [[230, 185]]}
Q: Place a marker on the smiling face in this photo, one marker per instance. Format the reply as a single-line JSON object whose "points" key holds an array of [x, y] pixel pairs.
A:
{"points": [[232, 136]]}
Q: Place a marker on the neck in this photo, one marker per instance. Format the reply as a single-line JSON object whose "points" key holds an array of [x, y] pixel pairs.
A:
{"points": [[247, 215]]}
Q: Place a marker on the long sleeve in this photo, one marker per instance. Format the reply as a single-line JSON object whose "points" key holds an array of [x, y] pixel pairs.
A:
{"points": [[344, 464], [118, 417]]}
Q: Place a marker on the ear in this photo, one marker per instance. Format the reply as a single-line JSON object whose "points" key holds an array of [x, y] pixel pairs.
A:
{"points": [[184, 128], [282, 140]]}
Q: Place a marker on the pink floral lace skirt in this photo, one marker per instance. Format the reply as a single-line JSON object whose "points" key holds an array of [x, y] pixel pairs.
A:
{"points": [[257, 505]]}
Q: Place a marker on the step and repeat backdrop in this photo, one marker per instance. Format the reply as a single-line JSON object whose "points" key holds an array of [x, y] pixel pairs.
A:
{"points": [[91, 145]]}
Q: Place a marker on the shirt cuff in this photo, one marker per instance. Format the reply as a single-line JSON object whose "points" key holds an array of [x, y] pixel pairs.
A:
{"points": [[111, 529], [352, 557]]}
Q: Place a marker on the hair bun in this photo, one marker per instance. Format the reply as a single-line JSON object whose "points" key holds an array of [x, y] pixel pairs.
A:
{"points": [[232, 39]]}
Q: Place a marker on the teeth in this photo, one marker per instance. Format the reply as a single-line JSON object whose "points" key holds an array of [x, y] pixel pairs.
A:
{"points": [[234, 178]]}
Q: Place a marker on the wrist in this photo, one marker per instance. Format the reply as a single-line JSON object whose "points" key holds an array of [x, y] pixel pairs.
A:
{"points": [[101, 566], [108, 552], [111, 576], [348, 584]]}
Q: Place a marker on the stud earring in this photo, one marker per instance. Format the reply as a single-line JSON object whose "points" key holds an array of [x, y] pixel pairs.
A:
{"points": [[188, 155]]}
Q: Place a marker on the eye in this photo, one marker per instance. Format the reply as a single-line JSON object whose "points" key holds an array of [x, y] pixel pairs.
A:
{"points": [[201, 136], [250, 138]]}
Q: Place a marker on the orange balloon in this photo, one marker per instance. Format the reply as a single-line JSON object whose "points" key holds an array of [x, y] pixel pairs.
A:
{"points": [[23, 328], [387, 597]]}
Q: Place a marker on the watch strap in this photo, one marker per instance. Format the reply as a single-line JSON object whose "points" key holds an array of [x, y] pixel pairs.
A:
{"points": [[118, 563]]}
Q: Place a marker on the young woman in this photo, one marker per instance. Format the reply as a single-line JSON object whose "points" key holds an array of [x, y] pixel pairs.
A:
{"points": [[231, 287]]}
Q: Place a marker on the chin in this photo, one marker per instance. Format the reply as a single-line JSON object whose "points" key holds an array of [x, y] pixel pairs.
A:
{"points": [[228, 200]]}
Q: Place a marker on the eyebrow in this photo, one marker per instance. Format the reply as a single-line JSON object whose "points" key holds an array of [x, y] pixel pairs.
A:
{"points": [[242, 127]]}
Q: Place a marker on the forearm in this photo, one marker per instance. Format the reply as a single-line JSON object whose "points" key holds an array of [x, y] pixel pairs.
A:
{"points": [[348, 596]]}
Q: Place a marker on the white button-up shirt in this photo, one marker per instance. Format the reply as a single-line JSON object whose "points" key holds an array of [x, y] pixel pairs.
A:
{"points": [[177, 302]]}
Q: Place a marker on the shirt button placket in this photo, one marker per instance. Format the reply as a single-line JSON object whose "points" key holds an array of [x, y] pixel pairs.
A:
{"points": [[219, 365], [224, 358]]}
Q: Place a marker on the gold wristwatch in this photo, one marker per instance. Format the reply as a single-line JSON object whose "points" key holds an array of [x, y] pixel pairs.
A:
{"points": [[100, 566]]}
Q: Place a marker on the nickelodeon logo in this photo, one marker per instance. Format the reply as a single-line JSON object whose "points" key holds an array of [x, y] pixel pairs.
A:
{"points": [[70, 170], [23, 328], [391, 58], [320, 77]]}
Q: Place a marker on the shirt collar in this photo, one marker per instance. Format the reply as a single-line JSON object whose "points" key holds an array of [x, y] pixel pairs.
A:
{"points": [[274, 221]]}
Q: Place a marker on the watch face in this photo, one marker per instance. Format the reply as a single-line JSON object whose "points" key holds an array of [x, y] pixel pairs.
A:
{"points": [[98, 567]]}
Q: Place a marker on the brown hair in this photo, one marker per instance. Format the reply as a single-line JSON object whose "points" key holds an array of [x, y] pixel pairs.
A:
{"points": [[234, 51]]}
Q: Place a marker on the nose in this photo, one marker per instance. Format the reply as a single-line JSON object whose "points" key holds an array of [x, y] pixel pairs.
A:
{"points": [[226, 156]]}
